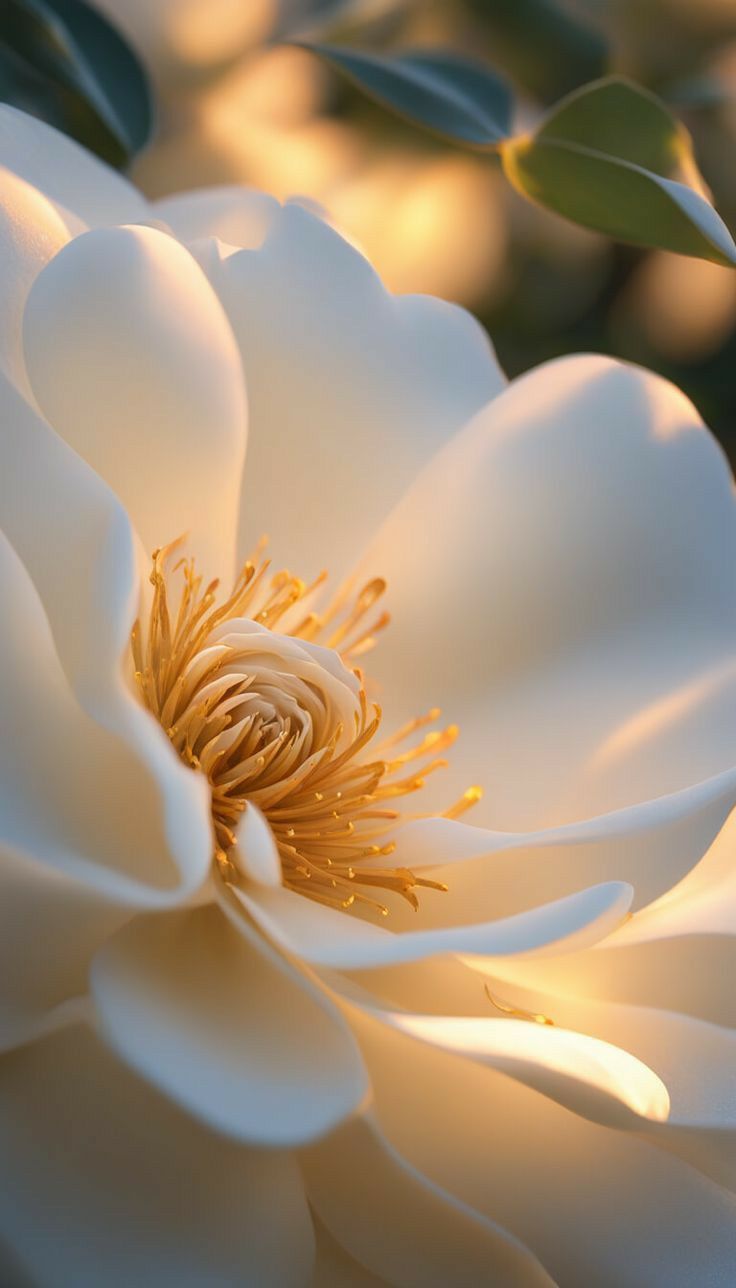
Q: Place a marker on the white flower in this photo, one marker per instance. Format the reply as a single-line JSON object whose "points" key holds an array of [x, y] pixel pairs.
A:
{"points": [[202, 1065]]}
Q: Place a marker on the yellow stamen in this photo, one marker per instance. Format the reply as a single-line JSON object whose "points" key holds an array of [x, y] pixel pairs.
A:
{"points": [[325, 803]]}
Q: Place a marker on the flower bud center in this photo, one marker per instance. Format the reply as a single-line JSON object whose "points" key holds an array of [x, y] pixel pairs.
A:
{"points": [[280, 721]]}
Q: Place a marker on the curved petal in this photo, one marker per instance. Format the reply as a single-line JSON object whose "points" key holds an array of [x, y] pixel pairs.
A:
{"points": [[31, 232], [70, 792], [702, 903], [362, 1189], [222, 1025], [75, 543], [257, 855], [650, 845], [238, 216], [41, 987], [695, 1061], [572, 600], [590, 1077], [326, 937], [679, 953], [440, 1002], [132, 1191], [86, 192], [689, 973], [596, 1206], [350, 389], [132, 361]]}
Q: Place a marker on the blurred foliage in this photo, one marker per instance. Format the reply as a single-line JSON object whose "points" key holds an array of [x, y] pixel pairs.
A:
{"points": [[462, 100], [547, 50], [561, 290], [604, 157], [62, 61]]}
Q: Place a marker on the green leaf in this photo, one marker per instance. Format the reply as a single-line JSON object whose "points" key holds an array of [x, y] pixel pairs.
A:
{"points": [[457, 97], [604, 158], [544, 46], [62, 61]]}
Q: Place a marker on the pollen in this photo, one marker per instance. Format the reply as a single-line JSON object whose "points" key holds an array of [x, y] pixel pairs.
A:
{"points": [[247, 695]]}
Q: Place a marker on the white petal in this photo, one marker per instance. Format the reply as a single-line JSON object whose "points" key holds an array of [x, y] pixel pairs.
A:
{"points": [[694, 1059], [350, 389], [441, 1003], [237, 216], [702, 903], [331, 938], [561, 585], [402, 1226], [50, 925], [651, 845], [103, 1182], [85, 191], [31, 232], [132, 361], [76, 545], [71, 793], [679, 953], [256, 855], [226, 1028], [593, 1078], [596, 1206]]}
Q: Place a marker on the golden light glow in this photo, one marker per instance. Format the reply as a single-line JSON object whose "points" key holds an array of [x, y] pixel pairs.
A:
{"points": [[327, 792]]}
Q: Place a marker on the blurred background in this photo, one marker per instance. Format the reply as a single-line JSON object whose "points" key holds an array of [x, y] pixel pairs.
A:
{"points": [[237, 105]]}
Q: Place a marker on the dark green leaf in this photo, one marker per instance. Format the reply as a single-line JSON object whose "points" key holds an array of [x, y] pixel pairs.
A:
{"points": [[604, 159], [62, 61], [457, 97]]}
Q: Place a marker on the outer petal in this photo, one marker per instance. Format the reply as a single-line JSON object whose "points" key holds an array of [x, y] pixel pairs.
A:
{"points": [[651, 845], [75, 542], [596, 1206], [350, 389], [326, 937], [132, 360], [83, 838], [70, 792], [441, 1003], [31, 232], [86, 192], [561, 584], [590, 1077], [104, 1182], [695, 1060], [402, 1226], [679, 953], [50, 925], [227, 1029]]}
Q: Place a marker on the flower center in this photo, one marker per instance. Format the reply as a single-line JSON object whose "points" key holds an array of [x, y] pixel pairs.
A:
{"points": [[280, 721]]}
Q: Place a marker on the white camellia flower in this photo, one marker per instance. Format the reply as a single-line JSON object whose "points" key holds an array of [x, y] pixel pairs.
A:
{"points": [[270, 1014]]}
